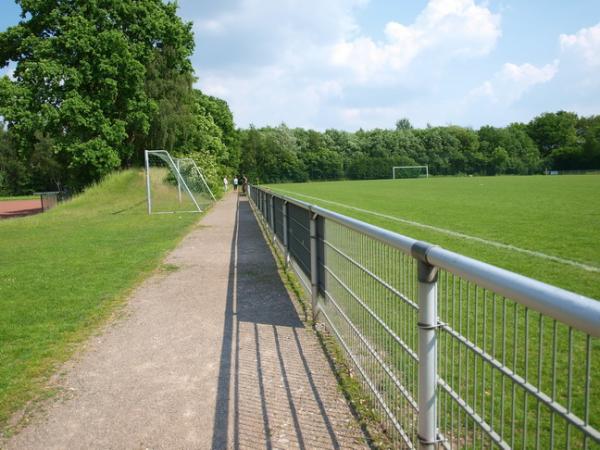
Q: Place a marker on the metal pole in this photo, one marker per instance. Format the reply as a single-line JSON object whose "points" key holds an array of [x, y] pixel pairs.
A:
{"points": [[314, 267], [272, 206], [178, 183], [428, 322], [285, 234], [148, 181]]}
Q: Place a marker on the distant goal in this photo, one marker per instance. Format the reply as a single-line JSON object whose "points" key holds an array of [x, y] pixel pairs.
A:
{"points": [[410, 172], [175, 185]]}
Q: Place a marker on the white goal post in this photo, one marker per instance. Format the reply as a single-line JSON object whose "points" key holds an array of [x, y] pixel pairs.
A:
{"points": [[174, 185], [419, 171]]}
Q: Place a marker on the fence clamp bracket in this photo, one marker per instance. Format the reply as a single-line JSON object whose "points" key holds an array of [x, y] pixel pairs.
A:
{"points": [[425, 326], [424, 441]]}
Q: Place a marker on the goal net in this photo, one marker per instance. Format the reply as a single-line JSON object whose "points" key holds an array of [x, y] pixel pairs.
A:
{"points": [[175, 185], [410, 172]]}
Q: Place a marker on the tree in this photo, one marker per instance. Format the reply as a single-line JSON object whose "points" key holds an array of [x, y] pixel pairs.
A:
{"points": [[555, 135], [522, 156], [588, 128], [223, 119], [403, 124], [85, 81], [14, 176], [315, 151]]}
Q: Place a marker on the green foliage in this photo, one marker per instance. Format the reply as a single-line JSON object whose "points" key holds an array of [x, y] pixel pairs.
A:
{"points": [[508, 150], [589, 131], [553, 131], [552, 141], [222, 117], [14, 175], [271, 154], [98, 82]]}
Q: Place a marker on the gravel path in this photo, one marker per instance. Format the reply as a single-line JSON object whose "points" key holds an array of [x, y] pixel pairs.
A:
{"points": [[212, 355]]}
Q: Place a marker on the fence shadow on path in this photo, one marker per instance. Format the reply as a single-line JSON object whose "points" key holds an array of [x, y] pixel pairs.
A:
{"points": [[275, 389]]}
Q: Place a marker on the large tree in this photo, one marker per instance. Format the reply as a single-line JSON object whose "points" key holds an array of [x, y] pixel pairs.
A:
{"points": [[84, 92]]}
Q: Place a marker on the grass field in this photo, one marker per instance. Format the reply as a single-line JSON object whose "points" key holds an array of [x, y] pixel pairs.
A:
{"points": [[64, 271], [19, 197], [544, 227], [556, 217]]}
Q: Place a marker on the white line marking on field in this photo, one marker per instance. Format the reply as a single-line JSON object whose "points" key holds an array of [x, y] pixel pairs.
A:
{"points": [[570, 262]]}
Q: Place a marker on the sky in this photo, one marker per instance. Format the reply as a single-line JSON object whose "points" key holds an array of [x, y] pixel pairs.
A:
{"points": [[351, 64]]}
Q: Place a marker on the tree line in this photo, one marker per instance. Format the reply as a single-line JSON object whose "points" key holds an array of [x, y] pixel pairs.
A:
{"points": [[96, 83], [551, 141]]}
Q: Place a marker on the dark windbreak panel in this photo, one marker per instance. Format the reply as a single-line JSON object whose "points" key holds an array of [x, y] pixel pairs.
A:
{"points": [[299, 236]]}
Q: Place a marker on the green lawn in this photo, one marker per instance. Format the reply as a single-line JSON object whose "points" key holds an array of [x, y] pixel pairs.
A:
{"points": [[19, 197], [555, 215], [64, 271]]}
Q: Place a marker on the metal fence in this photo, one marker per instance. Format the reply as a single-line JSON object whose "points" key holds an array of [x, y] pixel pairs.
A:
{"points": [[455, 353], [50, 199]]}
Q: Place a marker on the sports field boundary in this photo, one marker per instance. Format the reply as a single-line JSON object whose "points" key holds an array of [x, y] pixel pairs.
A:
{"points": [[537, 254], [431, 331]]}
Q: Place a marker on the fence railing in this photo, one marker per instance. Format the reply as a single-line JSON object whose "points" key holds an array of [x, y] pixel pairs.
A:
{"points": [[455, 352], [50, 199]]}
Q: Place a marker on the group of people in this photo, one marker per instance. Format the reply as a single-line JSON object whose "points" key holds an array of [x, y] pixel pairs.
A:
{"points": [[236, 182]]}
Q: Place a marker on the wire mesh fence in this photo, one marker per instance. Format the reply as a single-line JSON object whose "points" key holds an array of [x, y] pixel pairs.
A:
{"points": [[175, 184], [502, 362], [513, 377]]}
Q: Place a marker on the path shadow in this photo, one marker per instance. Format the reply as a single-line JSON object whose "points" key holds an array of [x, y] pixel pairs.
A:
{"points": [[269, 395]]}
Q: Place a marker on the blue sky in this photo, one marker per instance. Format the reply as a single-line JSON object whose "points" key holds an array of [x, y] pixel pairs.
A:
{"points": [[366, 63]]}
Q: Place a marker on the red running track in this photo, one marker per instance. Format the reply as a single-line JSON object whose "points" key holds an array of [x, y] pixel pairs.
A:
{"points": [[19, 208]]}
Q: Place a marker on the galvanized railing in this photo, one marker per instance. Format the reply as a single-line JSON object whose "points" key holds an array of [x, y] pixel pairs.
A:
{"points": [[455, 352]]}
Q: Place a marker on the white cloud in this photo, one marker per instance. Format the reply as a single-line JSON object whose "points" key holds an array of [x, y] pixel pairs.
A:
{"points": [[510, 84], [269, 58], [272, 95], [447, 28], [276, 60], [585, 43]]}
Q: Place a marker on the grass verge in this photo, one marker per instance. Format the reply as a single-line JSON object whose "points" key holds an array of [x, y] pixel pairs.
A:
{"points": [[556, 216], [63, 273], [19, 197]]}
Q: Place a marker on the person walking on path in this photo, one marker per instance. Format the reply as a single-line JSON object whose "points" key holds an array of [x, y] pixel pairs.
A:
{"points": [[235, 183], [244, 184], [225, 183]]}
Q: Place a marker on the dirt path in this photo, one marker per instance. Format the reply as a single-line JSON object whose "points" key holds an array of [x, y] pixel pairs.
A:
{"points": [[212, 355]]}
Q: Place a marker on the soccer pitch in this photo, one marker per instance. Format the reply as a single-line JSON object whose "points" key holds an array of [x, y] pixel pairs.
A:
{"points": [[544, 227]]}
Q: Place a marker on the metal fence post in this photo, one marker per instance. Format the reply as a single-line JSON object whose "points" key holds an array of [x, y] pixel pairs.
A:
{"points": [[314, 267], [272, 210], [285, 233], [147, 163], [428, 323], [178, 182]]}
